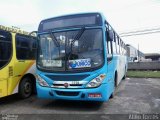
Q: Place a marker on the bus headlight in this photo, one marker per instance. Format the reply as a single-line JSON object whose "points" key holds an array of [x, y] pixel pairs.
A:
{"points": [[96, 81], [41, 81]]}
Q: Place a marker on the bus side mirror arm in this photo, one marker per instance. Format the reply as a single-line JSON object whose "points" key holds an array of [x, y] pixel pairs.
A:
{"points": [[33, 33]]}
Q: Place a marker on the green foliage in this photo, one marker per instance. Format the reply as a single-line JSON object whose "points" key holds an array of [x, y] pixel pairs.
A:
{"points": [[144, 74]]}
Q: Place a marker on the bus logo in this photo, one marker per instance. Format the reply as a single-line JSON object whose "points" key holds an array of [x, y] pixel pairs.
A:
{"points": [[66, 85]]}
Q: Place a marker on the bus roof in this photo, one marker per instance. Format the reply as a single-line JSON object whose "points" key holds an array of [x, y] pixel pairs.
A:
{"points": [[13, 30]]}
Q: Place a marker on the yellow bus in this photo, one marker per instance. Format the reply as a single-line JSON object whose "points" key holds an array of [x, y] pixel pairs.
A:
{"points": [[17, 62]]}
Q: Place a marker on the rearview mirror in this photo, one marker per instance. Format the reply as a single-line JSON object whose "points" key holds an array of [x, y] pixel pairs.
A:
{"points": [[33, 33]]}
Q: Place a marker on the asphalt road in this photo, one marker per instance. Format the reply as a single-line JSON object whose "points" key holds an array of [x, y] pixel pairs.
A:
{"points": [[133, 96]]}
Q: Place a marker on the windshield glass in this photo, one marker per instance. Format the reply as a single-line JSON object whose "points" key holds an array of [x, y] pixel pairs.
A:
{"points": [[64, 51]]}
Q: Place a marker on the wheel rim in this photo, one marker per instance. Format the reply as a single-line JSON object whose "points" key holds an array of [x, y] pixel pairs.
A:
{"points": [[27, 88]]}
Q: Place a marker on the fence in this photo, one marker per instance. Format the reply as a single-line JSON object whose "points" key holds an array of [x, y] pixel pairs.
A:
{"points": [[144, 66]]}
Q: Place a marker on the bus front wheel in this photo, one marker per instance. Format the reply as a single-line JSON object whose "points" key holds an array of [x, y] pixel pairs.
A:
{"points": [[25, 88]]}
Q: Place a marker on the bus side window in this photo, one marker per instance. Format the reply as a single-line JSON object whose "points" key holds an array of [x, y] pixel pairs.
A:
{"points": [[114, 44], [116, 39], [119, 45], [122, 48], [25, 47]]}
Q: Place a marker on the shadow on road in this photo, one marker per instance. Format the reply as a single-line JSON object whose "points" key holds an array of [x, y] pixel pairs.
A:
{"points": [[72, 105], [48, 104], [9, 99]]}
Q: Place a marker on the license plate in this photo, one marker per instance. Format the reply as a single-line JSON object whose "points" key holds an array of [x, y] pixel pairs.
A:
{"points": [[52, 63]]}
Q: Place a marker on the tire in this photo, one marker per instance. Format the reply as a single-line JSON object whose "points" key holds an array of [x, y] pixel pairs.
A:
{"points": [[112, 96], [25, 88], [124, 77], [116, 80]]}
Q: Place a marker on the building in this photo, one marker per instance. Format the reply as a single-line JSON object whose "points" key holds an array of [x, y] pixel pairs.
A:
{"points": [[134, 55], [153, 56]]}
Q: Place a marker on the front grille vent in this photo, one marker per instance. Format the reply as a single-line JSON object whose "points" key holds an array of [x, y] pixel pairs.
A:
{"points": [[62, 93], [10, 71]]}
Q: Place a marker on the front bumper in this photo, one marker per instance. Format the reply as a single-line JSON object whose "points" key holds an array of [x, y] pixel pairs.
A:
{"points": [[73, 94]]}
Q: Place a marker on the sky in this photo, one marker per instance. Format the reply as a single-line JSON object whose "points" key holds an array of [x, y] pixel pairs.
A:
{"points": [[123, 15]]}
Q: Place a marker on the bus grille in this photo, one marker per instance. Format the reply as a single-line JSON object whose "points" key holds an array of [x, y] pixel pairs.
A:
{"points": [[62, 93], [68, 84], [62, 85]]}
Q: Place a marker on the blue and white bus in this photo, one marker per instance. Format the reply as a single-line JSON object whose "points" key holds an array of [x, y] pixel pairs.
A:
{"points": [[80, 57]]}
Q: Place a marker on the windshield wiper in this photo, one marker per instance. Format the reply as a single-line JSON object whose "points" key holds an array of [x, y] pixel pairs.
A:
{"points": [[79, 34], [54, 39]]}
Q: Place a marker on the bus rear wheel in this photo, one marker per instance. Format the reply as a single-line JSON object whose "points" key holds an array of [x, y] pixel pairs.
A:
{"points": [[25, 88], [124, 77], [125, 74]]}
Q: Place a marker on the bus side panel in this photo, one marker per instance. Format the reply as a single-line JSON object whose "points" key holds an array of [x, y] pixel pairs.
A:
{"points": [[3, 87], [121, 66], [111, 74], [13, 80], [3, 81], [20, 69]]}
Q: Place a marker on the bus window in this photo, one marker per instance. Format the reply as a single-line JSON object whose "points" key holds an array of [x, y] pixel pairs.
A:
{"points": [[5, 48], [117, 43], [114, 44], [120, 46], [109, 48], [25, 47]]}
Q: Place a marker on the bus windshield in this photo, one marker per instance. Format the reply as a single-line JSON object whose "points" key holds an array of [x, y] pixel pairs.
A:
{"points": [[70, 50]]}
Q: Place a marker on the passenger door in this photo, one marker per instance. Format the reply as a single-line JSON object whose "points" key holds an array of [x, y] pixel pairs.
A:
{"points": [[110, 60], [25, 53]]}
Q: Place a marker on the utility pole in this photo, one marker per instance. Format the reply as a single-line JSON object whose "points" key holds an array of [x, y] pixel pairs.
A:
{"points": [[138, 52]]}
